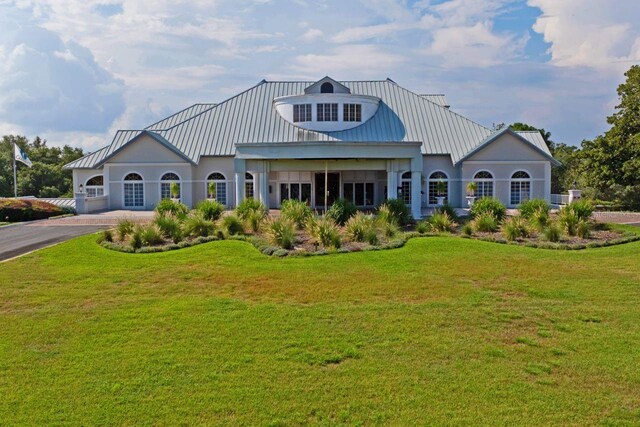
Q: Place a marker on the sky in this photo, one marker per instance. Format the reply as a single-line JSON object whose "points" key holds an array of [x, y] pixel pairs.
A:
{"points": [[75, 71]]}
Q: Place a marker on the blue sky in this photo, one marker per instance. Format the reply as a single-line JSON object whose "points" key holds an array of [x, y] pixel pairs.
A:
{"points": [[74, 71]]}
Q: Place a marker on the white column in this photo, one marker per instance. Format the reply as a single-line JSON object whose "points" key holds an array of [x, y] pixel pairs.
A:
{"points": [[239, 187], [416, 184], [392, 180], [547, 182], [263, 185]]}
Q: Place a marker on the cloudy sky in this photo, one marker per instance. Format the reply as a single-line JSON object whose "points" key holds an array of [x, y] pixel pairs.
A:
{"points": [[74, 71]]}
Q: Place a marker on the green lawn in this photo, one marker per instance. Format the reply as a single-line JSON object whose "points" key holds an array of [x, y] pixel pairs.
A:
{"points": [[442, 331]]}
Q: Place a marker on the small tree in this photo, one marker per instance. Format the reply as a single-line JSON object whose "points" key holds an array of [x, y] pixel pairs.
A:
{"points": [[211, 188], [175, 190], [441, 187], [471, 188]]}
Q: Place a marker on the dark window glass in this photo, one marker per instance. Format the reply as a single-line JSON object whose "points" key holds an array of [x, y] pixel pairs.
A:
{"points": [[327, 112], [305, 193], [347, 191], [284, 192], [352, 112], [368, 191], [359, 193], [326, 88], [295, 191], [96, 180], [301, 113]]}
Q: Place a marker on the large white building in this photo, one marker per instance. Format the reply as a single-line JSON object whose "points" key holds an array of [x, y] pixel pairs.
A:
{"points": [[373, 139]]}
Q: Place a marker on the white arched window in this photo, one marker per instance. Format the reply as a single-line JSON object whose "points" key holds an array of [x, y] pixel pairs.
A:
{"points": [[133, 191], [484, 182], [217, 187], [249, 185], [438, 181], [520, 187], [167, 180], [94, 186], [405, 188]]}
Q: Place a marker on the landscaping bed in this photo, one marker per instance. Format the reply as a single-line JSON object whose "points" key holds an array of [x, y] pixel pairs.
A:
{"points": [[17, 210]]}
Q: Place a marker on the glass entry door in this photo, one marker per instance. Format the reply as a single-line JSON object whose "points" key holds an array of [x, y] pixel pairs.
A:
{"points": [[333, 188]]}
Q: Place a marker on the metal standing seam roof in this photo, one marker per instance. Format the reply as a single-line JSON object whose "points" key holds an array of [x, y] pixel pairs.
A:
{"points": [[439, 99], [249, 117]]}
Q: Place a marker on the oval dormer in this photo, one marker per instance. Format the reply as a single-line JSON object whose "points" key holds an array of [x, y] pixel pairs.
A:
{"points": [[327, 106]]}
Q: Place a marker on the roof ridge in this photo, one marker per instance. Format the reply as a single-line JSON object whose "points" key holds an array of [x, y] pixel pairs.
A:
{"points": [[182, 111]]}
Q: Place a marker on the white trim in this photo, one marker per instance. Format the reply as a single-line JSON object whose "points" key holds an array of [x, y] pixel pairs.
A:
{"points": [[87, 187], [519, 180], [492, 180], [161, 181], [226, 184], [506, 162], [144, 198], [148, 164], [447, 180]]}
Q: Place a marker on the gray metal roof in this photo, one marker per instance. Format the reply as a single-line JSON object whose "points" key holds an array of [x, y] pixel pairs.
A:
{"points": [[249, 117], [439, 99], [88, 161]]}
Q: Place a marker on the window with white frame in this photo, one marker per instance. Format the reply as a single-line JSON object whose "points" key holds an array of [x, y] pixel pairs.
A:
{"points": [[94, 187], [249, 185], [484, 181], [217, 187], [133, 191], [438, 181], [167, 180], [301, 113], [520, 187], [405, 188], [352, 112], [359, 193], [327, 112]]}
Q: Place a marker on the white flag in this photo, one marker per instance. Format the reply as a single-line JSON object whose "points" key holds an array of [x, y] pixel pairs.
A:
{"points": [[21, 156]]}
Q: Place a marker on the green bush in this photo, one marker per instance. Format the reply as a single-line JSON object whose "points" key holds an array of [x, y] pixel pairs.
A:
{"points": [[106, 236], [255, 220], [488, 205], [529, 207], [211, 210], [359, 227], [281, 232], [515, 228], [296, 211], [582, 209], [340, 211], [325, 232], [170, 226], [449, 210], [371, 237], [583, 229], [15, 210], [467, 229], [423, 227], [395, 211], [540, 219], [232, 225], [441, 222], [151, 235], [124, 228], [388, 228], [485, 222], [568, 219], [171, 206], [553, 232], [196, 225], [250, 206], [136, 238]]}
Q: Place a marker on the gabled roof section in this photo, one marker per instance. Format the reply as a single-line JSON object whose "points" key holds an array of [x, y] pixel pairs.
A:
{"points": [[88, 161], [121, 142], [532, 138], [315, 87], [437, 99], [180, 116]]}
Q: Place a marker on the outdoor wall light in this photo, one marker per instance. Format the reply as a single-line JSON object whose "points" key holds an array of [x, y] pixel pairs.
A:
{"points": [[81, 188]]}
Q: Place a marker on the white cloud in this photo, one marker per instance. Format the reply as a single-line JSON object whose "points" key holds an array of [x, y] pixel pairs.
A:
{"points": [[599, 33], [312, 34]]}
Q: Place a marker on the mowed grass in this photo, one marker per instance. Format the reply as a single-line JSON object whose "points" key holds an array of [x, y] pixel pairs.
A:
{"points": [[441, 331]]}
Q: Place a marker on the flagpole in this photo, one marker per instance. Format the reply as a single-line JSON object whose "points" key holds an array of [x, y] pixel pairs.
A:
{"points": [[15, 178]]}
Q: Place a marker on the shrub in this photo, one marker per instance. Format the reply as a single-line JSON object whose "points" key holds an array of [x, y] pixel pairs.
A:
{"points": [[359, 226], [395, 211], [171, 206], [388, 228], [281, 232], [197, 226], [471, 188], [124, 228], [325, 232], [569, 221], [254, 220], [106, 236], [136, 238], [539, 219], [170, 226], [442, 223], [423, 227], [232, 224], [552, 233], [449, 210], [14, 210], [529, 207], [340, 211], [488, 205], [583, 229], [296, 211], [515, 227], [485, 222], [371, 237], [151, 235], [467, 229], [582, 209], [250, 206], [211, 210]]}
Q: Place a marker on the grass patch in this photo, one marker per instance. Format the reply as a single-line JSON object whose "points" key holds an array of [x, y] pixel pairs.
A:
{"points": [[220, 334]]}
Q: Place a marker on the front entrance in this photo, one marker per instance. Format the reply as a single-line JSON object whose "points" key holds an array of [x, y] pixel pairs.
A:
{"points": [[333, 188]]}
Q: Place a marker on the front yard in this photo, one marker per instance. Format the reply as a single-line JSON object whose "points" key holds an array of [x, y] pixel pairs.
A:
{"points": [[440, 331]]}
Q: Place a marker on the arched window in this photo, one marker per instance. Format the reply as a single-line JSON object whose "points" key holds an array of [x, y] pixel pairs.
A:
{"points": [[167, 180], [520, 187], [405, 188], [133, 191], [438, 187], [484, 181], [217, 187], [95, 186], [249, 185], [326, 88]]}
